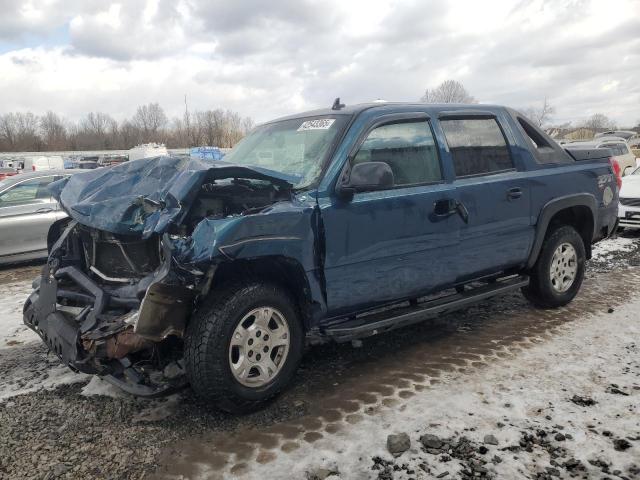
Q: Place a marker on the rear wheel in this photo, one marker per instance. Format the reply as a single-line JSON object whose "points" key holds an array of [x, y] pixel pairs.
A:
{"points": [[557, 275], [243, 346]]}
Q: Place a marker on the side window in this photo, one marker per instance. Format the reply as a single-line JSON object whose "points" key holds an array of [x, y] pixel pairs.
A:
{"points": [[477, 146], [408, 148], [25, 193], [533, 134]]}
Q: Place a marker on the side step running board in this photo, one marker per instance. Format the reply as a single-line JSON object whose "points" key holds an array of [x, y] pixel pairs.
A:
{"points": [[375, 323]]}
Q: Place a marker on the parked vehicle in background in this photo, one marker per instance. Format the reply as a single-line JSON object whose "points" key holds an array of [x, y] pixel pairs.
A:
{"points": [[621, 152], [9, 163], [89, 163], [109, 160], [618, 147], [38, 163], [148, 150], [206, 153], [27, 210], [624, 134], [7, 172], [329, 225], [629, 208]]}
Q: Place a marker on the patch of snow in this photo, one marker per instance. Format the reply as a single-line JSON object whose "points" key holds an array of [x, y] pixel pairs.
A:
{"points": [[12, 331], [24, 365], [530, 391], [25, 382], [100, 387], [609, 246]]}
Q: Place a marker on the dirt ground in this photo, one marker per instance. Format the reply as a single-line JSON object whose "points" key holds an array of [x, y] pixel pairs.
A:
{"points": [[55, 424]]}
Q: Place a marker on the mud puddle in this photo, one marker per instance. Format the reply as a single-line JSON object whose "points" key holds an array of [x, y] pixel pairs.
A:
{"points": [[389, 370]]}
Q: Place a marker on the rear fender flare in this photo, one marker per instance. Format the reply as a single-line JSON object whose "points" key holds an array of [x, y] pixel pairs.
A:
{"points": [[550, 209]]}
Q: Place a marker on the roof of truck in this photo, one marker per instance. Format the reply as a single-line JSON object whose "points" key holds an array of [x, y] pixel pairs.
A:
{"points": [[399, 106]]}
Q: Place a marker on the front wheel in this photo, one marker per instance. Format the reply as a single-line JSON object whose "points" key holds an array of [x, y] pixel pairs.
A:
{"points": [[243, 346], [558, 273]]}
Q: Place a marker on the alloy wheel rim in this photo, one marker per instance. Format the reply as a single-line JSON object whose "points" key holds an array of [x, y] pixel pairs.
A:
{"points": [[259, 347], [564, 267]]}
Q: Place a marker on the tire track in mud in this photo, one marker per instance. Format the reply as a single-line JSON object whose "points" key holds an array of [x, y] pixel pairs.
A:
{"points": [[457, 343]]}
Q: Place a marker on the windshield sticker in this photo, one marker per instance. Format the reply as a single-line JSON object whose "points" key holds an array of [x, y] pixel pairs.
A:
{"points": [[322, 124]]}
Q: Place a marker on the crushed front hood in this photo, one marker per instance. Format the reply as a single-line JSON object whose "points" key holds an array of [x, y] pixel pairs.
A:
{"points": [[143, 197]]}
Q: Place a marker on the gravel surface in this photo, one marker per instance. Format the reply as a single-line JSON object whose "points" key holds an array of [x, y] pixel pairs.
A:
{"points": [[53, 425]]}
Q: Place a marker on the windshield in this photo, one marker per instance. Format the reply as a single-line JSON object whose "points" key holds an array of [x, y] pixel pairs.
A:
{"points": [[297, 147]]}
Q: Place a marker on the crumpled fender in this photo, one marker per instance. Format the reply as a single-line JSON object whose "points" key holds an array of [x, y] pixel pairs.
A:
{"points": [[284, 229]]}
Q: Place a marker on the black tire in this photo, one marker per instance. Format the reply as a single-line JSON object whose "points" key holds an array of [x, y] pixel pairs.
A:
{"points": [[208, 339], [541, 291]]}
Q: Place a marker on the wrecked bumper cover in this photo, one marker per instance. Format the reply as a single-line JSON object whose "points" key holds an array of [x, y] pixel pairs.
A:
{"points": [[131, 342]]}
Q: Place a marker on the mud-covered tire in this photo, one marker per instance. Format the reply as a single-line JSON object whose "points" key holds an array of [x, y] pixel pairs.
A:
{"points": [[541, 291], [208, 342]]}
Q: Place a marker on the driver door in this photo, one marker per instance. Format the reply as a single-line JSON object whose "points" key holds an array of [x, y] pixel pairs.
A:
{"points": [[388, 245]]}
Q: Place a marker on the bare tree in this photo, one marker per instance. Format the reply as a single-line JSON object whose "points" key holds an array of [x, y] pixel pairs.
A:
{"points": [[247, 125], [97, 130], [212, 124], [233, 129], [540, 115], [53, 131], [449, 91], [150, 119], [19, 131], [8, 132], [598, 121]]}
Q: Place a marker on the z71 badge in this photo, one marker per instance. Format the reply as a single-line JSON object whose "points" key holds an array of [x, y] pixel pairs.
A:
{"points": [[604, 180]]}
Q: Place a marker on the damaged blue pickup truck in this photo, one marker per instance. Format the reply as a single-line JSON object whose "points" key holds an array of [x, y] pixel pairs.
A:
{"points": [[330, 225]]}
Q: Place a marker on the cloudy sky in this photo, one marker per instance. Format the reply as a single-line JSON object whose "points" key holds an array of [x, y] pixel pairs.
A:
{"points": [[265, 58]]}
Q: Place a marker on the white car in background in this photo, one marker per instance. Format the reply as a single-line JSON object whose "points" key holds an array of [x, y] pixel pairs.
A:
{"points": [[148, 150], [37, 163], [621, 152], [629, 208]]}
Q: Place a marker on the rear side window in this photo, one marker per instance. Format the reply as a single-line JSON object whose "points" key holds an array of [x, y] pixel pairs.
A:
{"points": [[28, 192], [408, 148], [616, 148], [477, 146]]}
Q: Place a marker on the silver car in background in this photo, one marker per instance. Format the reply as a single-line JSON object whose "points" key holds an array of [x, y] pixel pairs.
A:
{"points": [[27, 210]]}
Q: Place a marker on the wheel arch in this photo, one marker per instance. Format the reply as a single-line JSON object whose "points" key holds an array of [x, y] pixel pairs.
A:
{"points": [[280, 270], [578, 211]]}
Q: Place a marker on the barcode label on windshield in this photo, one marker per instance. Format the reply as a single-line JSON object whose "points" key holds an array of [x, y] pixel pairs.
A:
{"points": [[322, 124]]}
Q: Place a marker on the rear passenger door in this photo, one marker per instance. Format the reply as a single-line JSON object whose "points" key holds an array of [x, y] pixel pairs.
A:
{"points": [[388, 245], [499, 230]]}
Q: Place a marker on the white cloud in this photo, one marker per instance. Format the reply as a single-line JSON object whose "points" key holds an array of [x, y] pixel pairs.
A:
{"points": [[265, 59]]}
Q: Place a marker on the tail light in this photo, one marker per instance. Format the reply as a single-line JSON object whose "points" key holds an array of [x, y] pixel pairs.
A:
{"points": [[33, 167], [617, 171]]}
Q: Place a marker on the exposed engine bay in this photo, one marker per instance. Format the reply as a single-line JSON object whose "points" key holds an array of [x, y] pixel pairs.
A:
{"points": [[117, 305], [233, 197]]}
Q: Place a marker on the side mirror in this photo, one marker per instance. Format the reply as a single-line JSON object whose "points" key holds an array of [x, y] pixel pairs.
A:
{"points": [[367, 176]]}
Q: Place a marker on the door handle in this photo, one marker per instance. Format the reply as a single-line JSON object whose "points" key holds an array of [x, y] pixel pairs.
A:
{"points": [[514, 193], [449, 206], [44, 210]]}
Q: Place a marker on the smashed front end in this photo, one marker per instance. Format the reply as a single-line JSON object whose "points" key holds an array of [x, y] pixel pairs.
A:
{"points": [[113, 306], [126, 270]]}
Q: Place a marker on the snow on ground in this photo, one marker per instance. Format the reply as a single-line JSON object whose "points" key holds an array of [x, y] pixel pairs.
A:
{"points": [[12, 330], [528, 393], [99, 387], [610, 246], [25, 365]]}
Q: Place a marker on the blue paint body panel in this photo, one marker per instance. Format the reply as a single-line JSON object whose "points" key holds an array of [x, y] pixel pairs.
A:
{"points": [[378, 248]]}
